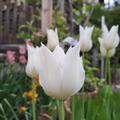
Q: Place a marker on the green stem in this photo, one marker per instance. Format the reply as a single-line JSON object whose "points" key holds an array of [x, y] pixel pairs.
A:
{"points": [[109, 82], [61, 110], [34, 100], [73, 107], [109, 69], [106, 66], [83, 90], [102, 67], [109, 72], [83, 104]]}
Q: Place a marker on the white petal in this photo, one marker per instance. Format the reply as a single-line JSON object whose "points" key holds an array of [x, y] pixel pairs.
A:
{"points": [[104, 27], [89, 31], [117, 40], [50, 74], [30, 49], [81, 31], [103, 51], [30, 67], [109, 40], [59, 54], [37, 59], [111, 52], [73, 73]]}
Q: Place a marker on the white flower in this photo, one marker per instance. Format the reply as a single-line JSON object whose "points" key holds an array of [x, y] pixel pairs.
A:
{"points": [[33, 60], [85, 38], [110, 39], [62, 75], [103, 51], [104, 27], [53, 39]]}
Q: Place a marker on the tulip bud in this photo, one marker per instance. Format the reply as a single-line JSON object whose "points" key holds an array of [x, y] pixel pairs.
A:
{"points": [[85, 38], [53, 40], [110, 39], [33, 60]]}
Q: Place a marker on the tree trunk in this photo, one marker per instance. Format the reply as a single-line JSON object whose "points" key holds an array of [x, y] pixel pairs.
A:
{"points": [[47, 6]]}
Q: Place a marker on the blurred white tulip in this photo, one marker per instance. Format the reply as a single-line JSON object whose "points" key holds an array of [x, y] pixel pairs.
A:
{"points": [[104, 52], [62, 75], [33, 61], [85, 38], [110, 39], [53, 39]]}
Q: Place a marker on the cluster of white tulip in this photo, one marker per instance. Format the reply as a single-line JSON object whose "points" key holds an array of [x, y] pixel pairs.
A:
{"points": [[62, 75], [109, 40]]}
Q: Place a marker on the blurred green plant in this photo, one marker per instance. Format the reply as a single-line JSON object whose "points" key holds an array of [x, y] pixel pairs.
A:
{"points": [[30, 31], [14, 105], [11, 91], [96, 107]]}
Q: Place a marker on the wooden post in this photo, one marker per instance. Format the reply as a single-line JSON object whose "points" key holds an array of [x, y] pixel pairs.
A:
{"points": [[47, 6]]}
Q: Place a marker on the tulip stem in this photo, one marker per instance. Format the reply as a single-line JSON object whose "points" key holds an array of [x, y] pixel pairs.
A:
{"points": [[73, 107], [61, 110], [33, 100], [108, 68], [83, 103], [83, 91], [102, 67], [109, 71]]}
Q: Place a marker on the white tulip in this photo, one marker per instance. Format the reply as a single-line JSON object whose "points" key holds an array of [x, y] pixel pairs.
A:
{"points": [[53, 39], [105, 52], [104, 27], [85, 38], [62, 75], [33, 60], [110, 39]]}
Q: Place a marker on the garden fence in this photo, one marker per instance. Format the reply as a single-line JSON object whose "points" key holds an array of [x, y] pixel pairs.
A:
{"points": [[12, 15]]}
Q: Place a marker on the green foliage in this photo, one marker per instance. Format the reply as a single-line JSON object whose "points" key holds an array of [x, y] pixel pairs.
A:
{"points": [[97, 108], [13, 84], [29, 31], [112, 16], [91, 80], [96, 34], [60, 22]]}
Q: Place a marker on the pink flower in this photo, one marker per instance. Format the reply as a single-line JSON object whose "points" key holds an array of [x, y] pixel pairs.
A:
{"points": [[10, 55], [22, 59], [22, 50]]}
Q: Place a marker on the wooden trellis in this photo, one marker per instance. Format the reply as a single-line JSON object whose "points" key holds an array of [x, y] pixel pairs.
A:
{"points": [[12, 15]]}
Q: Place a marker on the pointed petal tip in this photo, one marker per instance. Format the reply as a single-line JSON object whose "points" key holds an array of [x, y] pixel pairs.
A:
{"points": [[80, 27], [56, 30], [42, 44], [93, 27], [100, 39]]}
